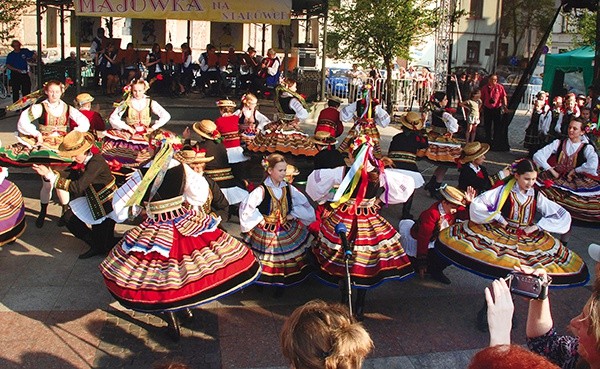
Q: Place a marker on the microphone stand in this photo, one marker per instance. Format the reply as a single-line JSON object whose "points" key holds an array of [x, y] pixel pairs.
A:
{"points": [[347, 256], [341, 231]]}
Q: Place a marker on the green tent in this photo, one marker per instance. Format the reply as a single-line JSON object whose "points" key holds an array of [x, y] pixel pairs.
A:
{"points": [[556, 65]]}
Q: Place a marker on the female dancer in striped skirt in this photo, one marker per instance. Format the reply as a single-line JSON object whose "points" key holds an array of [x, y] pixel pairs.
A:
{"points": [[377, 254], [177, 258]]}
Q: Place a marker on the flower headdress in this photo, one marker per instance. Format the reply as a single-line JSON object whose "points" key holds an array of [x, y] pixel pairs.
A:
{"points": [[264, 163]]}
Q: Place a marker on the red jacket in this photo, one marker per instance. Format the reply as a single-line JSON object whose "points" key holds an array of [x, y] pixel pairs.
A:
{"points": [[329, 121], [96, 121], [229, 129], [427, 227]]}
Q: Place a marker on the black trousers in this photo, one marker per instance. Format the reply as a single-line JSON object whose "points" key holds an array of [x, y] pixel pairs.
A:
{"points": [[496, 132], [100, 237], [21, 84]]}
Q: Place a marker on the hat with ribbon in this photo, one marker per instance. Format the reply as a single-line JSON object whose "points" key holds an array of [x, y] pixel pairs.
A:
{"points": [[75, 143], [452, 194], [323, 138], [472, 151], [192, 155], [226, 102], [207, 129], [412, 120]]}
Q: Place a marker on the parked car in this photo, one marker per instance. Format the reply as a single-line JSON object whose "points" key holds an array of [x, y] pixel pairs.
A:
{"points": [[535, 83], [337, 82], [469, 70]]}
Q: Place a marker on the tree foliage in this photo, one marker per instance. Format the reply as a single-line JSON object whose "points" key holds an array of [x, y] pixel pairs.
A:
{"points": [[369, 31], [584, 27], [10, 16], [521, 16]]}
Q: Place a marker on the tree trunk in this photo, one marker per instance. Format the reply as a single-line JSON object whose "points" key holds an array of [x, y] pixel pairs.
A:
{"points": [[388, 84]]}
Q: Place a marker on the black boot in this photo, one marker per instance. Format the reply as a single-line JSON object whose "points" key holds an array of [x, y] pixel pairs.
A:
{"points": [[432, 186], [61, 221], [359, 306], [186, 315], [39, 222], [173, 326]]}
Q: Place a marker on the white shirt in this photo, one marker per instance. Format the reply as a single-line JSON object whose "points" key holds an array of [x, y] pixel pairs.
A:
{"points": [[554, 217], [590, 166], [26, 127], [117, 122], [381, 117], [250, 216], [260, 119]]}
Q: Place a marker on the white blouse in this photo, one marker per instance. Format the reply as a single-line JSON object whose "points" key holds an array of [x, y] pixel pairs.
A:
{"points": [[250, 216], [260, 119], [195, 191], [590, 166], [381, 117], [322, 183], [398, 187], [116, 118], [26, 127], [554, 217]]}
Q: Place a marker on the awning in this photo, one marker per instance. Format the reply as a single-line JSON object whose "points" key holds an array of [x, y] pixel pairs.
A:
{"points": [[233, 11]]}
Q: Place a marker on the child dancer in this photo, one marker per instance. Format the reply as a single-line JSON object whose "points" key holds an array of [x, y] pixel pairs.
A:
{"points": [[273, 219], [472, 172], [473, 120]]}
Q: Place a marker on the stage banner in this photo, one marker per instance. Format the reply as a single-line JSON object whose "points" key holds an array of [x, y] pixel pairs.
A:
{"points": [[226, 11]]}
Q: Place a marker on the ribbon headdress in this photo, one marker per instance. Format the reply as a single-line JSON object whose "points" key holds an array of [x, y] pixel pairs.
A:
{"points": [[158, 168], [358, 173]]}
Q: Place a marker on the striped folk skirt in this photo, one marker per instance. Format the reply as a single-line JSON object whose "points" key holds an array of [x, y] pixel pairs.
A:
{"points": [[12, 212], [580, 197], [493, 252], [282, 139], [124, 147], [282, 252], [377, 254], [177, 261]]}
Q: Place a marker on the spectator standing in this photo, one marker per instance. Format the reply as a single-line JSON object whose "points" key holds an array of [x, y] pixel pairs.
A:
{"points": [[494, 100], [96, 49], [16, 62]]}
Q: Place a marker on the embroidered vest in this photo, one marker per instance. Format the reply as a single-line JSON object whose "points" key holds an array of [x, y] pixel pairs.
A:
{"points": [[274, 210], [135, 117], [564, 162], [517, 214]]}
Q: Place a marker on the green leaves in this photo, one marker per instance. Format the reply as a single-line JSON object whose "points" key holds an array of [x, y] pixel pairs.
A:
{"points": [[10, 16], [370, 31]]}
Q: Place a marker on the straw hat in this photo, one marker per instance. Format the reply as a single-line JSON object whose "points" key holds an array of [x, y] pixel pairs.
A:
{"points": [[83, 98], [323, 138], [472, 151], [291, 170], [452, 194], [190, 156], [226, 102], [336, 100], [412, 120], [207, 129], [75, 143]]}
